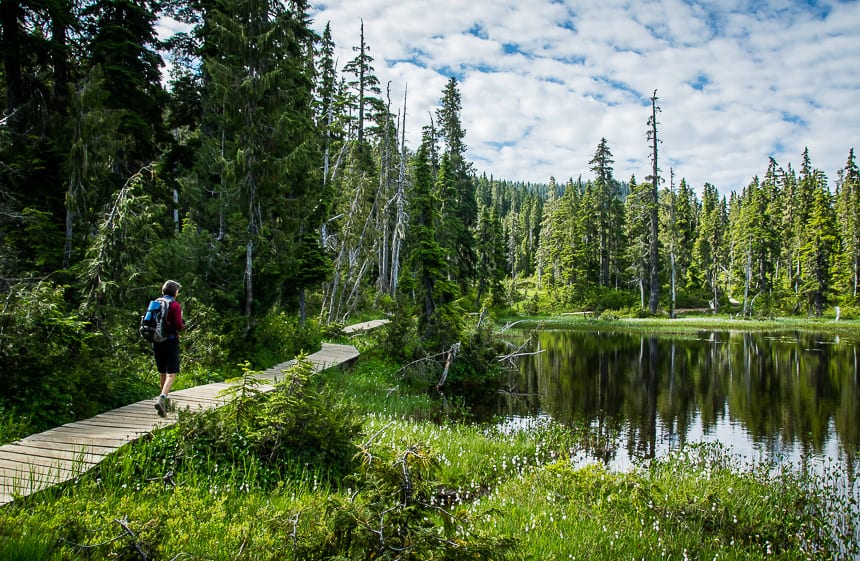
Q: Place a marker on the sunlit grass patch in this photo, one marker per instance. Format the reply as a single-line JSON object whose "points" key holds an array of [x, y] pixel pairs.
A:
{"points": [[691, 505]]}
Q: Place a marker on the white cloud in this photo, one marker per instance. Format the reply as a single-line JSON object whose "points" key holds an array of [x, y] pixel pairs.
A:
{"points": [[542, 82]]}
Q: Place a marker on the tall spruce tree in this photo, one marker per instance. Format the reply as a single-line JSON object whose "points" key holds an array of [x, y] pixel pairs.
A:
{"points": [[425, 264], [260, 136], [708, 249], [36, 57], [124, 44], [820, 244], [848, 210], [637, 210], [491, 253], [461, 208], [606, 208], [365, 89]]}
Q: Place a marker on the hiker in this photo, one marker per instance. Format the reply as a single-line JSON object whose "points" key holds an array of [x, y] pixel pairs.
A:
{"points": [[167, 352]]}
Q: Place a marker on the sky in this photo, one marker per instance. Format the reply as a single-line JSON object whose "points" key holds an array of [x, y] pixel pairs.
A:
{"points": [[542, 81]]}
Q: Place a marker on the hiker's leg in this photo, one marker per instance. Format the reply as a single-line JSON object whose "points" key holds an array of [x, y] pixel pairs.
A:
{"points": [[167, 383], [171, 366]]}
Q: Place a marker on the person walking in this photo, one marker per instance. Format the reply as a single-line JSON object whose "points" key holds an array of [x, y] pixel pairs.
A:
{"points": [[167, 352]]}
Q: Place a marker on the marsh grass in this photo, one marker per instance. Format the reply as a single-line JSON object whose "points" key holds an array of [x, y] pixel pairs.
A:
{"points": [[443, 490], [689, 324], [690, 505]]}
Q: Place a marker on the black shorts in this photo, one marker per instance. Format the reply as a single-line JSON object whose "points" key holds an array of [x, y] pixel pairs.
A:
{"points": [[167, 356]]}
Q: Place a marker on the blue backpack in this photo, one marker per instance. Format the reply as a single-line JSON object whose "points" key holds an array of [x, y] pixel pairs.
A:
{"points": [[152, 324]]}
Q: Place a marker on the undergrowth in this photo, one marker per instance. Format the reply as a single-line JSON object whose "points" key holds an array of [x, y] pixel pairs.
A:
{"points": [[356, 465]]}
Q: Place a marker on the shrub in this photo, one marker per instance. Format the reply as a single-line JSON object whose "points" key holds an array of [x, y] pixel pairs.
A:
{"points": [[398, 511], [284, 431]]}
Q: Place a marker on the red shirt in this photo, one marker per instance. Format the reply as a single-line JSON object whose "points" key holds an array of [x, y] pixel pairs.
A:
{"points": [[174, 318]]}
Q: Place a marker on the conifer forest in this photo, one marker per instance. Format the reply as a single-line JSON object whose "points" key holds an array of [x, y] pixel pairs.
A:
{"points": [[276, 184]]}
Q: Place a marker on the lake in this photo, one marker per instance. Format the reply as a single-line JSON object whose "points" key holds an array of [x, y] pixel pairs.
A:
{"points": [[791, 397]]}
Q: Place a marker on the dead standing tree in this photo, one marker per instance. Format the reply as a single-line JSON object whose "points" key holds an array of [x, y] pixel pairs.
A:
{"points": [[654, 256]]}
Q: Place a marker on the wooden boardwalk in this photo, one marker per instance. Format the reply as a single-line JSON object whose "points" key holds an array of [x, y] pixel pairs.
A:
{"points": [[42, 460]]}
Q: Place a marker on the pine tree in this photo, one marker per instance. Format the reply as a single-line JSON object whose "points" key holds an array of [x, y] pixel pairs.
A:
{"points": [[259, 146], [365, 88], [491, 253], [35, 54], [708, 248], [460, 210], [94, 143], [820, 246], [637, 233], [686, 223], [123, 43], [848, 207], [605, 202], [425, 261]]}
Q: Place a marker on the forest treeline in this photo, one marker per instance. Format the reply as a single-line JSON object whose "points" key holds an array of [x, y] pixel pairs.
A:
{"points": [[275, 183]]}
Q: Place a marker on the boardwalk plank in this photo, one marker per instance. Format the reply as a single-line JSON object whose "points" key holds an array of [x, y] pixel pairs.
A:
{"points": [[42, 460], [63, 447], [54, 453], [24, 458]]}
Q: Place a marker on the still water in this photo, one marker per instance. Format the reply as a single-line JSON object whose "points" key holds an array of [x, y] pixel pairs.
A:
{"points": [[790, 397]]}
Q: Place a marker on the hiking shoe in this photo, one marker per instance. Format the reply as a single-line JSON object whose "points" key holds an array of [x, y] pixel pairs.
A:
{"points": [[161, 405]]}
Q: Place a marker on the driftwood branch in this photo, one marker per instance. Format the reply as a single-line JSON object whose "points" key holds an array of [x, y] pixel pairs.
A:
{"points": [[452, 354], [510, 325], [124, 525], [512, 356]]}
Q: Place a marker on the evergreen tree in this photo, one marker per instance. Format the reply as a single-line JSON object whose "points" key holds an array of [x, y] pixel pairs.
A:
{"points": [[460, 210], [754, 237], [686, 223], [491, 253], [848, 208], [365, 89], [547, 262], [606, 209], [708, 254], [123, 43], [94, 143], [820, 246], [425, 261], [35, 53], [259, 145], [637, 210]]}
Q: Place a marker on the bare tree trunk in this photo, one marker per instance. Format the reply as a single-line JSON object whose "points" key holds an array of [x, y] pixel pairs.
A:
{"points": [[672, 242], [856, 274], [70, 219], [249, 277], [176, 209], [400, 222], [672, 298], [654, 256], [384, 184], [748, 278]]}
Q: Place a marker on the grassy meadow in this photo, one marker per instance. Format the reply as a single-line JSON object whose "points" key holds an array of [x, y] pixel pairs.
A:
{"points": [[360, 464]]}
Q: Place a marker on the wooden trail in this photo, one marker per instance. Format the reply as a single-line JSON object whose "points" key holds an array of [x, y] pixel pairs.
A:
{"points": [[60, 454]]}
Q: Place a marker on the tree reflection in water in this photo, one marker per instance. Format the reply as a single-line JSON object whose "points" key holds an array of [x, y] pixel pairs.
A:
{"points": [[788, 396]]}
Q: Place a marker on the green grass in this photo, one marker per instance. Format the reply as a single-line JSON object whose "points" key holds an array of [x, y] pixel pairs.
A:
{"points": [[687, 324], [480, 491], [689, 506]]}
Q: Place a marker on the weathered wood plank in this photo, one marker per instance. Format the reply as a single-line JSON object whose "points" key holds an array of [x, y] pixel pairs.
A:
{"points": [[66, 455], [42, 460]]}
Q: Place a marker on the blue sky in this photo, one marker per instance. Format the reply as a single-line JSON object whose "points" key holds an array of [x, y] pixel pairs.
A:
{"points": [[542, 81]]}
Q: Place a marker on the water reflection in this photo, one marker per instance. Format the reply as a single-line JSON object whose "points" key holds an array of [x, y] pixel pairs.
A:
{"points": [[790, 397]]}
